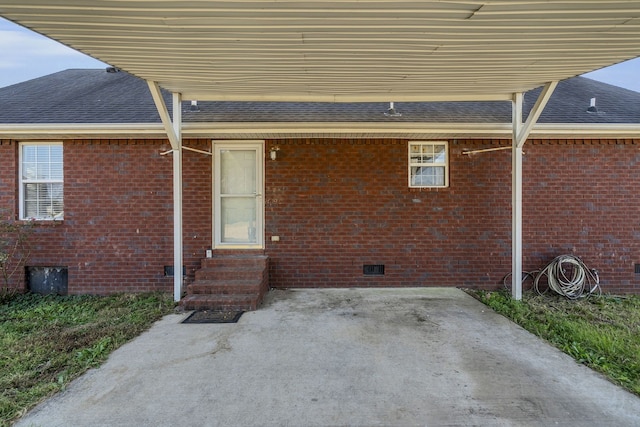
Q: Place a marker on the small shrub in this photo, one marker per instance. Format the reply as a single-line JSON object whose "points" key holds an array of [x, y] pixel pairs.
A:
{"points": [[14, 251]]}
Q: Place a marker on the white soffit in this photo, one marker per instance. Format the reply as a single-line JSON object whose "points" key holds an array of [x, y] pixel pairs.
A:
{"points": [[347, 51]]}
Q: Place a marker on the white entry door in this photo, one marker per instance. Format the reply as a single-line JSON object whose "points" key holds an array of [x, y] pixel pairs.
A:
{"points": [[238, 187]]}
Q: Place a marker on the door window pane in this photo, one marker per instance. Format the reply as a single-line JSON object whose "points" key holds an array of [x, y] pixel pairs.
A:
{"points": [[238, 220], [238, 172]]}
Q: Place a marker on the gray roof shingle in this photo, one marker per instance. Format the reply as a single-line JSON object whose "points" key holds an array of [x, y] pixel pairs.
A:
{"points": [[97, 96]]}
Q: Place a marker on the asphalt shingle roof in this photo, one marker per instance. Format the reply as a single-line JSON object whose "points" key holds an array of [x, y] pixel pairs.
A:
{"points": [[97, 96]]}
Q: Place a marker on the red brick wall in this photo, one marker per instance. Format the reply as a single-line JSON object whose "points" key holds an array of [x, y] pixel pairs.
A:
{"points": [[339, 204], [8, 189], [8, 178], [197, 202], [581, 198], [117, 232]]}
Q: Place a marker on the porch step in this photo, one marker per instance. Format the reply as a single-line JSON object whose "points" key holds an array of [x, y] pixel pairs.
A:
{"points": [[229, 282]]}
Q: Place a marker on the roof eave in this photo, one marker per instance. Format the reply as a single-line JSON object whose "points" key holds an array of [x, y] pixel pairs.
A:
{"points": [[273, 130]]}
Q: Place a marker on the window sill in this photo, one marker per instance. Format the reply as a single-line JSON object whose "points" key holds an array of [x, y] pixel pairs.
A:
{"points": [[41, 222]]}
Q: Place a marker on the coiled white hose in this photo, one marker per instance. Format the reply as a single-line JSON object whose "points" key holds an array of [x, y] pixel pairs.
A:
{"points": [[567, 275]]}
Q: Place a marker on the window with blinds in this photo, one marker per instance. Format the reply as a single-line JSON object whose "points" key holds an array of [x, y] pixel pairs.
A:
{"points": [[41, 181]]}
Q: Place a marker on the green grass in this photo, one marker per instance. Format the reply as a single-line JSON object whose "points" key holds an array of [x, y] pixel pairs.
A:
{"points": [[601, 332], [47, 341]]}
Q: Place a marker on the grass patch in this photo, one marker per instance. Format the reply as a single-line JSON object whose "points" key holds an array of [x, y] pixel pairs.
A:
{"points": [[47, 341], [601, 332]]}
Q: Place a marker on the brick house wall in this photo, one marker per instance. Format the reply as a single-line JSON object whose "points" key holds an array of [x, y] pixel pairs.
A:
{"points": [[581, 198], [117, 232], [8, 189], [8, 177], [339, 204]]}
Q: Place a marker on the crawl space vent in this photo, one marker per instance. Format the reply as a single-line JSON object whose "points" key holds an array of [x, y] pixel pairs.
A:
{"points": [[637, 268], [48, 280], [373, 269]]}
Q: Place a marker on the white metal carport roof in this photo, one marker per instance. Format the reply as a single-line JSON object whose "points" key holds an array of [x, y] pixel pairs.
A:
{"points": [[344, 51]]}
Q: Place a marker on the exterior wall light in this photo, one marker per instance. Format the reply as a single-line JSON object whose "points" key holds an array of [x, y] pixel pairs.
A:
{"points": [[273, 153]]}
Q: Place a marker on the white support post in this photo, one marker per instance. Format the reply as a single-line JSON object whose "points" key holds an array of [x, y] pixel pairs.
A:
{"points": [[520, 134], [174, 133], [516, 199], [177, 199]]}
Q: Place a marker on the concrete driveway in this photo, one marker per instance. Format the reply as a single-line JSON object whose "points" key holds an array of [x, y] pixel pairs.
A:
{"points": [[351, 357]]}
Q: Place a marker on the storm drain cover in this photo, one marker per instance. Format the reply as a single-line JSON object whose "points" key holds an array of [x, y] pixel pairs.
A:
{"points": [[211, 316]]}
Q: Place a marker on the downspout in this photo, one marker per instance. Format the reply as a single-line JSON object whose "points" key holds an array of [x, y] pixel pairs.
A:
{"points": [[174, 133], [520, 134]]}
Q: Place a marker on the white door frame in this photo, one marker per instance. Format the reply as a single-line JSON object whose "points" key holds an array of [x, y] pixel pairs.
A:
{"points": [[257, 145]]}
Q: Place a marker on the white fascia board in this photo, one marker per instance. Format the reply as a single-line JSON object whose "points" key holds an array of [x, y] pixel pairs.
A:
{"points": [[455, 130], [591, 130], [322, 129], [331, 98], [88, 130]]}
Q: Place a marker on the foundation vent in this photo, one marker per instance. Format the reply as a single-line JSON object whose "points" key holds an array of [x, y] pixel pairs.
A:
{"points": [[169, 270], [373, 269], [637, 268], [48, 280]]}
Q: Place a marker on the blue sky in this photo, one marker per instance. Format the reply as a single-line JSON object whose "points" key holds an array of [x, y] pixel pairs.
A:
{"points": [[26, 55]]}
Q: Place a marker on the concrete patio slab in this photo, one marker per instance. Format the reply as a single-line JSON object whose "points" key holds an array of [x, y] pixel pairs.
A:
{"points": [[342, 357]]}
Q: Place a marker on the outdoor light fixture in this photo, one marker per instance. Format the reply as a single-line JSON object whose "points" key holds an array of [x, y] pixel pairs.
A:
{"points": [[273, 153], [392, 112], [194, 106]]}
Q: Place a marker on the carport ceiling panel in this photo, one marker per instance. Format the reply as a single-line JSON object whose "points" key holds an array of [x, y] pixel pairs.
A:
{"points": [[342, 50]]}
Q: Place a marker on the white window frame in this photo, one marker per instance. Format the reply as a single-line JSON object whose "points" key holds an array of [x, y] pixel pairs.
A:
{"points": [[23, 182], [218, 146], [444, 164]]}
